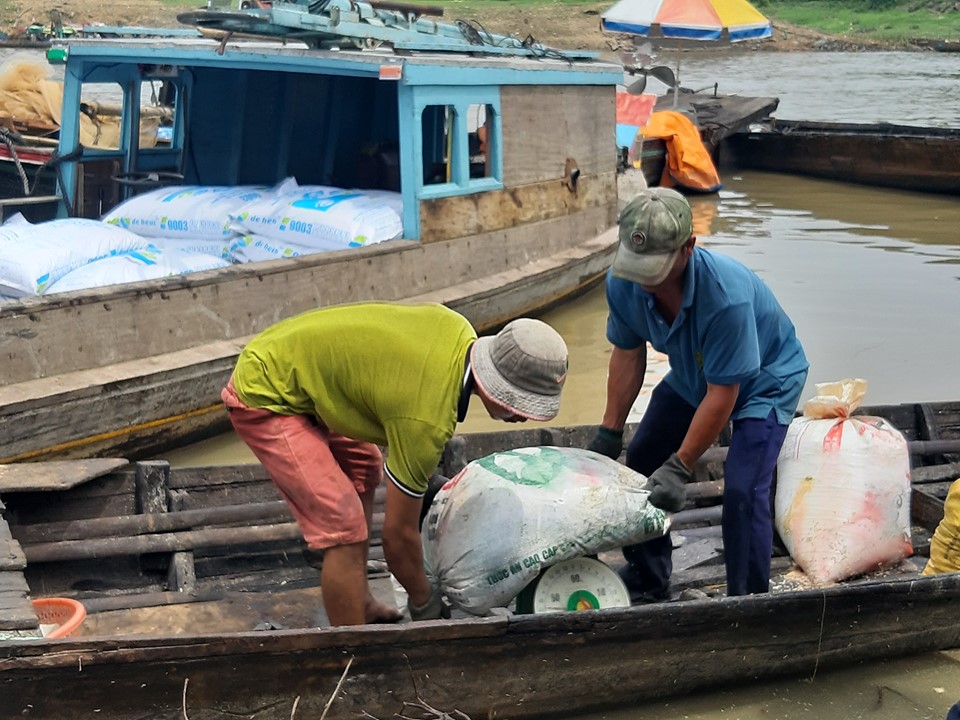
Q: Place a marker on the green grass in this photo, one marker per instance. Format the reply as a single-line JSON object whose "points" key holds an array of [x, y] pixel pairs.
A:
{"points": [[870, 19]]}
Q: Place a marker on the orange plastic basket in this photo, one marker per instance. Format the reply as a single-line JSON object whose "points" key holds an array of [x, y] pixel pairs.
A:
{"points": [[67, 614]]}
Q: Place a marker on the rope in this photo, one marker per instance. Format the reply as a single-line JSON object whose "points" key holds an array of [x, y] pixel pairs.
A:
{"points": [[9, 138], [475, 34]]}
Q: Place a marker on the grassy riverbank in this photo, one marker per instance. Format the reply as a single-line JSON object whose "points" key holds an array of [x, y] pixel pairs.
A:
{"points": [[798, 24], [886, 21]]}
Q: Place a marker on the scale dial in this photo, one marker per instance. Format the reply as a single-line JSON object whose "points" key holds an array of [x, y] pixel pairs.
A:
{"points": [[579, 584]]}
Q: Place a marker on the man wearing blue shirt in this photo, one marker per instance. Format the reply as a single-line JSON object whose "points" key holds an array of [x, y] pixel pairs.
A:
{"points": [[734, 356]]}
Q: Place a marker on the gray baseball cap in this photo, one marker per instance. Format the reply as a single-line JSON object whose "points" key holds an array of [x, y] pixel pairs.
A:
{"points": [[523, 367], [653, 227]]}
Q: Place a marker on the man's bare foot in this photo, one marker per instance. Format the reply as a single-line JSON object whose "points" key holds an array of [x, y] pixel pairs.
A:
{"points": [[378, 612]]}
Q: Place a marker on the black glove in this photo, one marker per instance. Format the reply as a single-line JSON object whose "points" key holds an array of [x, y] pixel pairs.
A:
{"points": [[607, 442], [433, 609], [668, 485]]}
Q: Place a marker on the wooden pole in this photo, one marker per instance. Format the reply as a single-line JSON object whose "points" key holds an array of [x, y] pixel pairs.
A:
{"points": [[166, 542], [150, 522]]}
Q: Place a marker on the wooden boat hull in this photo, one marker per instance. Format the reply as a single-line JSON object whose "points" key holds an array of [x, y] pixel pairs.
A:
{"points": [[142, 407], [895, 156], [134, 369], [522, 667], [947, 46]]}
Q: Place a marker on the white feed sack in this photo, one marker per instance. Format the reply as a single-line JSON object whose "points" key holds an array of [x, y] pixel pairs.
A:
{"points": [[324, 218], [507, 516], [843, 490], [150, 264], [251, 248], [184, 211], [33, 257]]}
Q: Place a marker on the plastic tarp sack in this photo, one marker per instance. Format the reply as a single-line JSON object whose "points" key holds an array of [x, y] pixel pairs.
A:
{"points": [[184, 211], [843, 488], [324, 218], [945, 543], [689, 165], [252, 248], [34, 256], [149, 264], [507, 516]]}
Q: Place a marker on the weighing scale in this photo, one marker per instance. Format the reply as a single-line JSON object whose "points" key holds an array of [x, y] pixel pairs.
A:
{"points": [[583, 583]]}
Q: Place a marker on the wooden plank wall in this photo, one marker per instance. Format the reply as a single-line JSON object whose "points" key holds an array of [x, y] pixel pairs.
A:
{"points": [[544, 126], [542, 129], [512, 209]]}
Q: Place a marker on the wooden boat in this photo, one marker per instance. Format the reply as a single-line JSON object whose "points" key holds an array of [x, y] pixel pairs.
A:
{"points": [[947, 45], [121, 538], [133, 369], [717, 117], [896, 156]]}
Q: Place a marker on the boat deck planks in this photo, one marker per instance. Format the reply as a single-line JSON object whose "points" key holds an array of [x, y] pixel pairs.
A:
{"points": [[55, 475]]}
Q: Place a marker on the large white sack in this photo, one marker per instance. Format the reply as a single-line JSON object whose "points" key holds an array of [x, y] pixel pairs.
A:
{"points": [[252, 248], [184, 211], [217, 247], [507, 516], [33, 257], [149, 264], [322, 217], [843, 493]]}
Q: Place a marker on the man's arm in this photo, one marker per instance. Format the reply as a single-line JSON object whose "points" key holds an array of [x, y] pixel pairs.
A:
{"points": [[401, 543], [624, 380], [668, 483], [711, 416]]}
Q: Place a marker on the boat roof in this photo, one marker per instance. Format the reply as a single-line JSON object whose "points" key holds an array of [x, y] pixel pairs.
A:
{"points": [[409, 68]]}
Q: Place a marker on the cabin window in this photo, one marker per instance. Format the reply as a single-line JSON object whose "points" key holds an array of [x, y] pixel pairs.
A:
{"points": [[102, 108], [101, 111], [438, 123], [481, 128], [157, 107], [460, 140]]}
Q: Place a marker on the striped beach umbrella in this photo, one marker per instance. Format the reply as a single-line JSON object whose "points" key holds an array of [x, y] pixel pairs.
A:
{"points": [[724, 20]]}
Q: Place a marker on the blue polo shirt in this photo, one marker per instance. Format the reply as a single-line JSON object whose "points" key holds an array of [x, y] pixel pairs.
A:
{"points": [[730, 330]]}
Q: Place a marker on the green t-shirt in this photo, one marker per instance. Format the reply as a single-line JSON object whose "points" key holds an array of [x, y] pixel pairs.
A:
{"points": [[376, 372]]}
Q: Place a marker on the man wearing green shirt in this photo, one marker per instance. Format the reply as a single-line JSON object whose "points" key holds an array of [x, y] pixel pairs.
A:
{"points": [[315, 395]]}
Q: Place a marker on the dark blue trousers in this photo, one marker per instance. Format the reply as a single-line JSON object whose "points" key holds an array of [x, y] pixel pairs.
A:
{"points": [[748, 476]]}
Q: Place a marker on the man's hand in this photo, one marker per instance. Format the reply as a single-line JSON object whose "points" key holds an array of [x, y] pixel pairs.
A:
{"points": [[607, 442], [433, 609], [668, 485]]}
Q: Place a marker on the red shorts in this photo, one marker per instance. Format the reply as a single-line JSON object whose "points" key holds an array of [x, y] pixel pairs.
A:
{"points": [[319, 473]]}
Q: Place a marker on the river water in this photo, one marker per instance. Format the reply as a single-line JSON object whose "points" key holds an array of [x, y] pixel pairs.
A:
{"points": [[871, 279]]}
